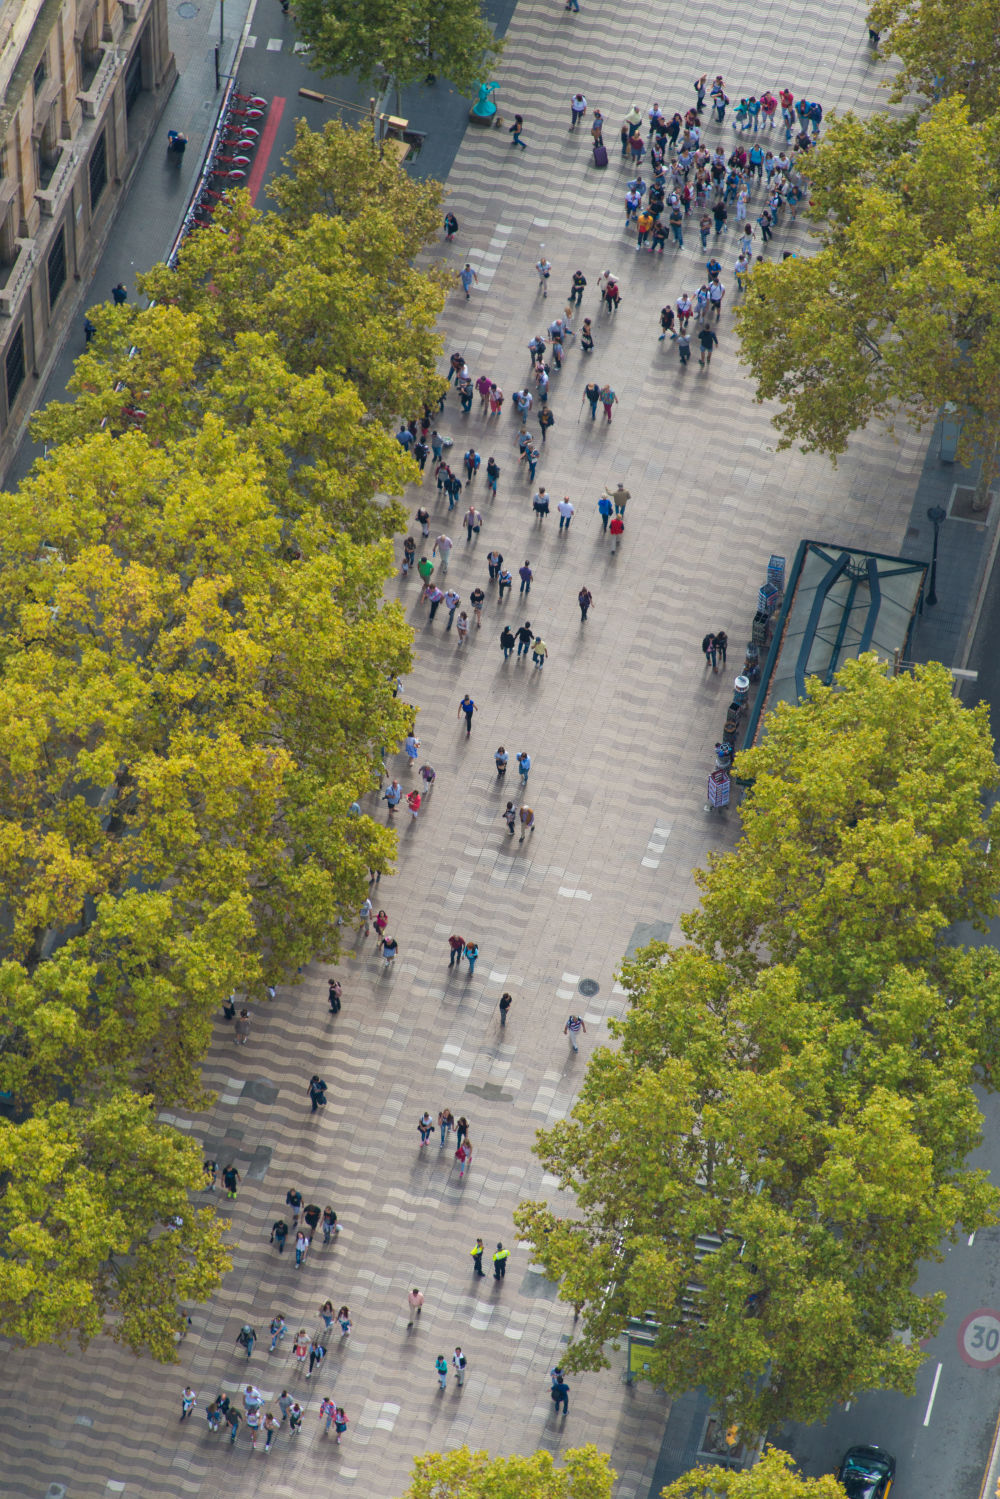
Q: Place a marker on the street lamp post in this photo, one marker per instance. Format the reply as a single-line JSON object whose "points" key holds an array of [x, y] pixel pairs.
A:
{"points": [[936, 514]]}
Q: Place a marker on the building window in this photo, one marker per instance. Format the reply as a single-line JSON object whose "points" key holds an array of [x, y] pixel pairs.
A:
{"points": [[57, 268], [98, 169], [41, 73], [133, 79], [14, 367]]}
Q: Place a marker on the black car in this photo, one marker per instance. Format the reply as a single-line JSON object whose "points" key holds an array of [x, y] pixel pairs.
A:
{"points": [[866, 1473]]}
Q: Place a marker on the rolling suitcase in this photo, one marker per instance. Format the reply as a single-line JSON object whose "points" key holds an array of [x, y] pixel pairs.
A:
{"points": [[600, 156]]}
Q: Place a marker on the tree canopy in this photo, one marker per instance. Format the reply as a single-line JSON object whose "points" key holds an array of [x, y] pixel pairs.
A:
{"points": [[401, 40], [464, 1474], [946, 47], [781, 1135], [773, 1477], [199, 683], [898, 311]]}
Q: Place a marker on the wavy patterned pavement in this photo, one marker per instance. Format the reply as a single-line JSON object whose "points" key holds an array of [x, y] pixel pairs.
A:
{"points": [[620, 726]]}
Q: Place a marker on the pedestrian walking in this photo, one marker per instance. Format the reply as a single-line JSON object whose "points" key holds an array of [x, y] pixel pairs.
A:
{"points": [[457, 946], [721, 643], [540, 503], [415, 1301], [327, 1411], [604, 509], [572, 1029], [235, 1419], [477, 1251], [566, 512], [577, 110], [411, 745], [560, 1396], [527, 820], [620, 498], [211, 1171], [284, 1405], [271, 1426], [452, 599], [277, 1330], [301, 1246], [683, 347], [494, 562], [524, 639], [380, 923], [617, 529], [317, 1093], [390, 947], [246, 1338], [242, 1027], [446, 1123], [468, 707], [708, 338], [330, 1225], [504, 582], [545, 417], [526, 575], [300, 1348], [441, 1365], [458, 1360], [279, 1233], [317, 1353], [231, 1180], [463, 1156], [709, 649], [473, 518], [413, 802], [119, 294], [585, 599], [442, 549], [295, 1415], [425, 1128], [425, 570], [462, 628], [544, 269], [500, 1262], [365, 914], [188, 1402], [468, 278], [587, 337], [215, 1413], [477, 598], [340, 1422], [577, 288], [253, 1419], [505, 1002], [450, 225], [327, 1313], [471, 954], [524, 766], [393, 793], [461, 1129], [608, 399]]}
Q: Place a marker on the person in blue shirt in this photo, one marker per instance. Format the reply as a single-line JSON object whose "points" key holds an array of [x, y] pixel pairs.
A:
{"points": [[604, 507]]}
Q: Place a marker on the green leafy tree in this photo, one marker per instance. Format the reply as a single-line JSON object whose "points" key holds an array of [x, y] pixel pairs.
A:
{"points": [[898, 312], [782, 1136], [404, 42], [97, 1233], [946, 47], [773, 1477], [464, 1474]]}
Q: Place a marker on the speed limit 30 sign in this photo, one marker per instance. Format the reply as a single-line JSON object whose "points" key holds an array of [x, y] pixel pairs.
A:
{"points": [[979, 1338]]}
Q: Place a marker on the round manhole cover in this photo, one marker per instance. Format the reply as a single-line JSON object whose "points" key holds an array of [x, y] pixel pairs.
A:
{"points": [[589, 987], [187, 10]]}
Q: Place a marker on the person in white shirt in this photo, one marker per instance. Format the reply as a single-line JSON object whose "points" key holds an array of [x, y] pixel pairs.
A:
{"points": [[544, 269], [566, 512], [578, 108]]}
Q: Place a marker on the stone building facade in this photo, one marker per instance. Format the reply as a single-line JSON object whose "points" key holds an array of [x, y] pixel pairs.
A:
{"points": [[82, 83]]}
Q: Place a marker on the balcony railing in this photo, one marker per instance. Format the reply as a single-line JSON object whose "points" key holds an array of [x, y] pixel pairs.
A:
{"points": [[92, 101], [50, 197], [20, 274]]}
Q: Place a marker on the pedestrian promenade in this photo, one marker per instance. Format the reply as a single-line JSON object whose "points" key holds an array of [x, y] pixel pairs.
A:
{"points": [[620, 726]]}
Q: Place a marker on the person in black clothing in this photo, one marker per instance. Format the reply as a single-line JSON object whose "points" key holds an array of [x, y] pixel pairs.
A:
{"points": [[312, 1214], [317, 1092], [293, 1199], [576, 290], [708, 338], [231, 1179], [334, 995], [279, 1233]]}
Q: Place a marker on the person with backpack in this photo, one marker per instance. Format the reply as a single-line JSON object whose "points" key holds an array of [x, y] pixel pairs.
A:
{"points": [[246, 1338]]}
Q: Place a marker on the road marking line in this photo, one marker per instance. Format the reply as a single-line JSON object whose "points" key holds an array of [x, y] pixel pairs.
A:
{"points": [[930, 1403], [265, 146]]}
